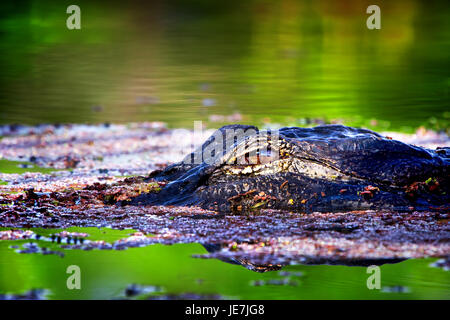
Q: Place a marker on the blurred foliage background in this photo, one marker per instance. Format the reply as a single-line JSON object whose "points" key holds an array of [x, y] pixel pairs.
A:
{"points": [[261, 61]]}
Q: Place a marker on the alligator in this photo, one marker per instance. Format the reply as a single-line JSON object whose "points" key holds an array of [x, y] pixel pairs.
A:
{"points": [[327, 168]]}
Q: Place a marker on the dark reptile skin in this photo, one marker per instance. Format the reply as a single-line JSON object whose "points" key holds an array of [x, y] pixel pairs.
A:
{"points": [[364, 157]]}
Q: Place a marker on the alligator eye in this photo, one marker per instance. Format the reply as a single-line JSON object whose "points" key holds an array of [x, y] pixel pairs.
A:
{"points": [[251, 159], [254, 159]]}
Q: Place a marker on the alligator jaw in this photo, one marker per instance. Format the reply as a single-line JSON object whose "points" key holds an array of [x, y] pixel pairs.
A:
{"points": [[304, 167]]}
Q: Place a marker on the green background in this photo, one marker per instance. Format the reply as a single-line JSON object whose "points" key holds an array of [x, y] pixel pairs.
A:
{"points": [[272, 61]]}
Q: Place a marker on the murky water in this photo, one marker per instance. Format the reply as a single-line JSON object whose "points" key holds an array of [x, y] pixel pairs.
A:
{"points": [[177, 61], [105, 274]]}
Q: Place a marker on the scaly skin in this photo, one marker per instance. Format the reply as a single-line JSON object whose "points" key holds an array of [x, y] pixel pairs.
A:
{"points": [[325, 168]]}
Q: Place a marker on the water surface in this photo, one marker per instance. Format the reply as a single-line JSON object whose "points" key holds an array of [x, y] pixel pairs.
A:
{"points": [[180, 61], [106, 273]]}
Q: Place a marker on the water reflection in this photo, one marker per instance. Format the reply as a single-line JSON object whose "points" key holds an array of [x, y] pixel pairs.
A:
{"points": [[281, 60], [254, 264], [172, 271], [247, 263]]}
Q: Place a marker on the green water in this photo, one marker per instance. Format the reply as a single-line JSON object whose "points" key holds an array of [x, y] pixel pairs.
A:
{"points": [[268, 60], [105, 274], [19, 167], [7, 166]]}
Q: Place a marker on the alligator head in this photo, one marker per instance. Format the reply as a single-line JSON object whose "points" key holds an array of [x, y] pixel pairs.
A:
{"points": [[325, 168]]}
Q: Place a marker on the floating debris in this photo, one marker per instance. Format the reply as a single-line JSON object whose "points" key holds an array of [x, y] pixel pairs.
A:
{"points": [[187, 296], [275, 282], [442, 263], [134, 290], [33, 247], [235, 117], [85, 196], [34, 294], [396, 289], [208, 102], [290, 274], [16, 234]]}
